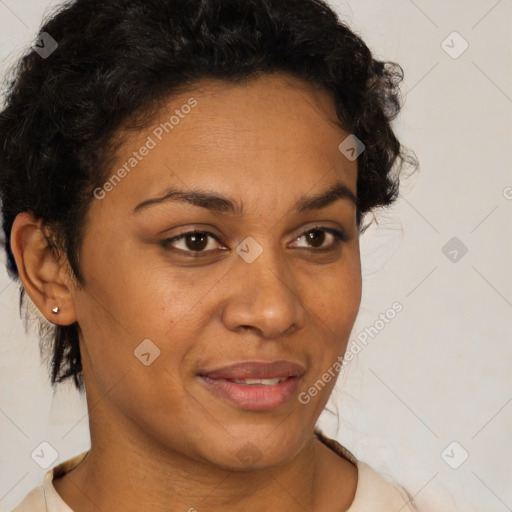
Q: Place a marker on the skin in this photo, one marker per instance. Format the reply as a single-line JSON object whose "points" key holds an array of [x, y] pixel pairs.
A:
{"points": [[160, 440]]}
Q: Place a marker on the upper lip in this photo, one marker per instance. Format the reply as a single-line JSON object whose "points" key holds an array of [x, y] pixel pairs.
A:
{"points": [[256, 370]]}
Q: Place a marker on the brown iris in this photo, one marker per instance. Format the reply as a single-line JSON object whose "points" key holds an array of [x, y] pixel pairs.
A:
{"points": [[315, 236], [196, 241]]}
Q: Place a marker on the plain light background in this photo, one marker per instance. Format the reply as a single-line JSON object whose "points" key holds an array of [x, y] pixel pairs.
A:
{"points": [[432, 386]]}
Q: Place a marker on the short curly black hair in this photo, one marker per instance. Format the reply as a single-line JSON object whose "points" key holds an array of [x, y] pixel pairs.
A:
{"points": [[115, 63]]}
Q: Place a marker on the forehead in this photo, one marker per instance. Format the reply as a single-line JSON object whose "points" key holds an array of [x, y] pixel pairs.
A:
{"points": [[270, 108], [275, 131], [278, 92]]}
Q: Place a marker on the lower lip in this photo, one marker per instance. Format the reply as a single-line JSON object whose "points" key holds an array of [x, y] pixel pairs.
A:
{"points": [[254, 397]]}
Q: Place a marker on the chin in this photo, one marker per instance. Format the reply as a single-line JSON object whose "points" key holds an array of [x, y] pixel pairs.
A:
{"points": [[255, 448]]}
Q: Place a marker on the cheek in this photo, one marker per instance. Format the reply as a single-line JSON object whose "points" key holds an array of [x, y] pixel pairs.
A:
{"points": [[336, 305], [139, 322], [337, 298], [129, 298], [137, 362]]}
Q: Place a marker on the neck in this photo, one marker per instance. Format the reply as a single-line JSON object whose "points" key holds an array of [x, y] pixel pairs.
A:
{"points": [[127, 470], [120, 474]]}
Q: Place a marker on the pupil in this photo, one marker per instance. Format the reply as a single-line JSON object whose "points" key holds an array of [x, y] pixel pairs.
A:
{"points": [[199, 241], [316, 239]]}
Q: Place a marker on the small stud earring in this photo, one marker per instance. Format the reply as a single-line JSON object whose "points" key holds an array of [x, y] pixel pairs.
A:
{"points": [[56, 309]]}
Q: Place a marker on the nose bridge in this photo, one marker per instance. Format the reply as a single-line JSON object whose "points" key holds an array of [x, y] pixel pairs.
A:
{"points": [[265, 297]]}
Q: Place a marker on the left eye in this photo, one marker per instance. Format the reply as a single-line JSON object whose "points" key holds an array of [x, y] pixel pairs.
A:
{"points": [[198, 241], [316, 237]]}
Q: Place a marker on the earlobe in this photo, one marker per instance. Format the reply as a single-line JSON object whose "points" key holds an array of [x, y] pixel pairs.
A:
{"points": [[42, 275]]}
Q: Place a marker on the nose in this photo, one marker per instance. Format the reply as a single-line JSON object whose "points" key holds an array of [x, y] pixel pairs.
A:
{"points": [[264, 297]]}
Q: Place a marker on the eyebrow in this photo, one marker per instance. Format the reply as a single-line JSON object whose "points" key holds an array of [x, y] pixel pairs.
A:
{"points": [[218, 203]]}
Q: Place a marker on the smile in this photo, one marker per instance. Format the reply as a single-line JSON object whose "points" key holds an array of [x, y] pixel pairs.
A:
{"points": [[253, 394]]}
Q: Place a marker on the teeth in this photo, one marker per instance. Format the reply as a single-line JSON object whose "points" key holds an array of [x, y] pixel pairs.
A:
{"points": [[265, 382]]}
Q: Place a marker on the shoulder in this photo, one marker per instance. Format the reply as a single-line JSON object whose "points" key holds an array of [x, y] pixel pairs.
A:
{"points": [[45, 498], [33, 501], [377, 494], [373, 492]]}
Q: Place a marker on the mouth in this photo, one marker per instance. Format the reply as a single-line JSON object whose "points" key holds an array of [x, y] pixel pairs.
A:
{"points": [[258, 382], [255, 386], [253, 394]]}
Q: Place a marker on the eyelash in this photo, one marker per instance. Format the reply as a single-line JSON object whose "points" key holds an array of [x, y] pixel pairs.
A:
{"points": [[339, 236]]}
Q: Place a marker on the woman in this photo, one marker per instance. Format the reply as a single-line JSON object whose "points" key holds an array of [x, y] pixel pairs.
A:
{"points": [[183, 188]]}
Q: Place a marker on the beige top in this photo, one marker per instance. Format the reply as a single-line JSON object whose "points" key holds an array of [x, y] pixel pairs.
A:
{"points": [[373, 493]]}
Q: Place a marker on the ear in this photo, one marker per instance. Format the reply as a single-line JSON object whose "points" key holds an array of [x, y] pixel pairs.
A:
{"points": [[43, 276]]}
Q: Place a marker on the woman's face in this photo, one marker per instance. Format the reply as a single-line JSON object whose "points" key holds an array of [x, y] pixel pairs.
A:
{"points": [[158, 315]]}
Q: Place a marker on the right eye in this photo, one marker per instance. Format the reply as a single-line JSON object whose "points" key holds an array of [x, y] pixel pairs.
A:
{"points": [[191, 242]]}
